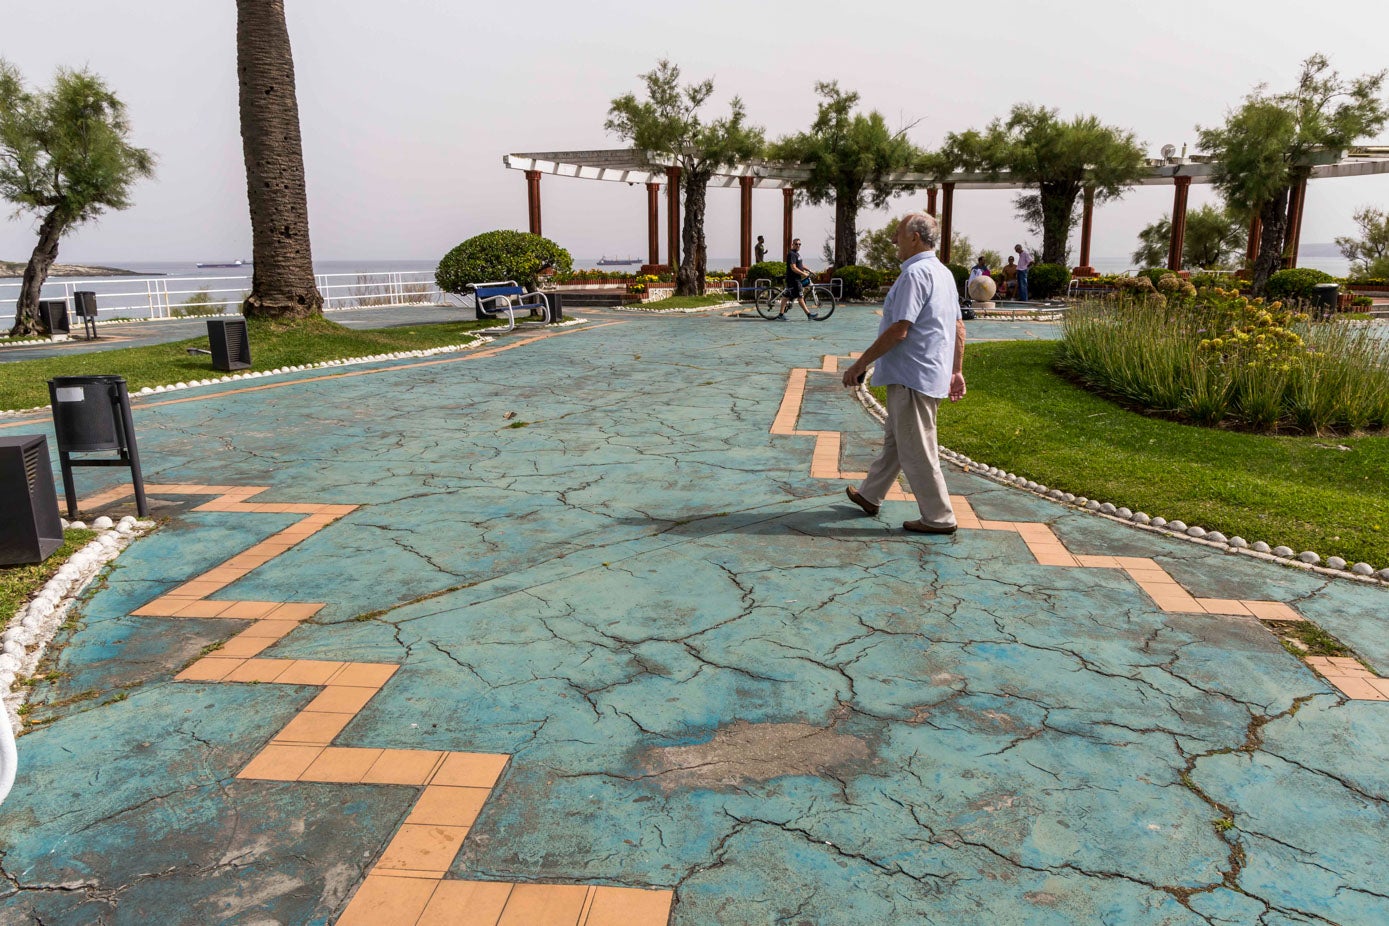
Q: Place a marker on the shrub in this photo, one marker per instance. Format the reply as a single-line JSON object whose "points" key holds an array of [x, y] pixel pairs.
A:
{"points": [[961, 278], [500, 255], [1045, 281], [859, 282], [774, 270], [1295, 283], [1362, 301], [1153, 273]]}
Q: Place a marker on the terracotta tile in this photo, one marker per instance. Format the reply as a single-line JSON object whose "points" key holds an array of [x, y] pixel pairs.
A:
{"points": [[625, 906], [467, 903], [244, 647], [202, 608], [162, 607], [278, 762], [270, 629], [249, 610], [1224, 606], [423, 847], [309, 672], [209, 669], [341, 765], [432, 874], [342, 699], [387, 902], [996, 525], [295, 611], [1181, 604], [198, 588], [337, 511], [313, 728], [1333, 671], [1097, 562], [544, 905], [223, 573], [471, 769], [1272, 611], [1381, 685], [258, 670], [1150, 576], [1055, 559], [403, 767], [365, 674], [1316, 662], [1136, 562], [1359, 689], [447, 806], [1350, 662]]}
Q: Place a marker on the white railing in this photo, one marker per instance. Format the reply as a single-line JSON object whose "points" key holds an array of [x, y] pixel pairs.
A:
{"points": [[174, 297]]}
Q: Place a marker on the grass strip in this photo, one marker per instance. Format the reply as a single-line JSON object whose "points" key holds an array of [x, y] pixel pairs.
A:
{"points": [[24, 383], [1311, 493], [686, 302], [19, 583]]}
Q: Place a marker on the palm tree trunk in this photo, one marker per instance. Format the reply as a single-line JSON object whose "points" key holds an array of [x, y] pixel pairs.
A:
{"points": [[689, 280], [282, 281], [26, 310]]}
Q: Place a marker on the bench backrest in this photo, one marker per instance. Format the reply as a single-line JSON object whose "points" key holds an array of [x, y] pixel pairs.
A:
{"points": [[492, 291]]}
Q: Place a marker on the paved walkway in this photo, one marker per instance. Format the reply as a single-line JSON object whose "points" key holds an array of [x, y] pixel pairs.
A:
{"points": [[630, 657]]}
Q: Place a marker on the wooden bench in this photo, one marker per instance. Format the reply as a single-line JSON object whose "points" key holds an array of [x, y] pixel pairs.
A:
{"points": [[507, 298]]}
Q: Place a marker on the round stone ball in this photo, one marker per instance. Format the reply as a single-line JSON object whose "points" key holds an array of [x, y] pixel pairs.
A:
{"points": [[982, 289]]}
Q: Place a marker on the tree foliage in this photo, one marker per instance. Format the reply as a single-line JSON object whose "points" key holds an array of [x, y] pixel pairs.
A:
{"points": [[879, 248], [1213, 241], [1055, 158], [1369, 252], [65, 155], [668, 122], [850, 156], [1271, 141]]}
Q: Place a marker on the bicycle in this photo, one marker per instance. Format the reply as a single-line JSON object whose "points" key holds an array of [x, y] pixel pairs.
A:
{"points": [[819, 299]]}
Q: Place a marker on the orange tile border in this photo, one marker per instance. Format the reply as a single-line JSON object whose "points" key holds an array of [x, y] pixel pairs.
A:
{"points": [[424, 847], [387, 901], [467, 903]]}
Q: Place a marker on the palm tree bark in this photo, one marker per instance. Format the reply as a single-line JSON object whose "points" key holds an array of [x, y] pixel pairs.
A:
{"points": [[282, 282], [26, 310]]}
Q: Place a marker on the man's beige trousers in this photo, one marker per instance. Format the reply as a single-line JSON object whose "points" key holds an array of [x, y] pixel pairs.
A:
{"points": [[909, 446]]}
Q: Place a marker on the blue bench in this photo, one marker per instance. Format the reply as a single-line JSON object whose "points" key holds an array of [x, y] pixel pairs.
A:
{"points": [[507, 298]]}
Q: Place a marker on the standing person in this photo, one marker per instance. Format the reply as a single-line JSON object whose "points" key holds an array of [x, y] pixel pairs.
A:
{"points": [[920, 353], [759, 252], [1024, 261], [796, 275]]}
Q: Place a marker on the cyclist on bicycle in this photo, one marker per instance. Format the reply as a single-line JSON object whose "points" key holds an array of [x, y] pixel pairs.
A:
{"points": [[796, 279]]}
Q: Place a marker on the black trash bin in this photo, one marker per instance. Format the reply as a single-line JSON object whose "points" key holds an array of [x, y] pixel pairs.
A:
{"points": [[91, 414], [53, 314], [1324, 298], [231, 345], [30, 529]]}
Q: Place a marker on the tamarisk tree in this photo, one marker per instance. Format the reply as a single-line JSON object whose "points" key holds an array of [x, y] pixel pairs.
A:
{"points": [[66, 156]]}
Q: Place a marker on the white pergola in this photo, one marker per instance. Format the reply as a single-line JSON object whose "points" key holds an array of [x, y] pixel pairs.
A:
{"points": [[633, 165]]}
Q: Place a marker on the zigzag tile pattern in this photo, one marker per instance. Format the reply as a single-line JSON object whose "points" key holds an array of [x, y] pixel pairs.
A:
{"points": [[407, 884], [1347, 675]]}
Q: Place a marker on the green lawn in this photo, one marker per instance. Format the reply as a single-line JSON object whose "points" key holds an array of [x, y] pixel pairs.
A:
{"points": [[1323, 494], [687, 302], [18, 583], [24, 383]]}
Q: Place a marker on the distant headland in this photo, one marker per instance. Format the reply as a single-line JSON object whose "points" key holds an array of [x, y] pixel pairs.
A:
{"points": [[15, 268]]}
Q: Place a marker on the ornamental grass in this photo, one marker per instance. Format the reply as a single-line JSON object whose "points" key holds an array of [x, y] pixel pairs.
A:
{"points": [[1217, 358]]}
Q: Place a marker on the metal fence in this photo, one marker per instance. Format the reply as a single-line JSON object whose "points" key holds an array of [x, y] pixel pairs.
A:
{"points": [[176, 297]]}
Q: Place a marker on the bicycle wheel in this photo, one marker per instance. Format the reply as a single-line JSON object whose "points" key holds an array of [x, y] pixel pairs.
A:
{"points": [[821, 303], [766, 303]]}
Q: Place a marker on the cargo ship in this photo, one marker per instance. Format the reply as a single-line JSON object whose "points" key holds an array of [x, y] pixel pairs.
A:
{"points": [[614, 262], [235, 263]]}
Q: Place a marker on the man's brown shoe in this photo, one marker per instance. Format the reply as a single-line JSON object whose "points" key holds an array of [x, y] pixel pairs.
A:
{"points": [[921, 527], [868, 507]]}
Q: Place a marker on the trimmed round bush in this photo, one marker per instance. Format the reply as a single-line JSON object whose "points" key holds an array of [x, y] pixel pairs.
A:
{"points": [[1295, 283], [1046, 281], [859, 281], [500, 255]]}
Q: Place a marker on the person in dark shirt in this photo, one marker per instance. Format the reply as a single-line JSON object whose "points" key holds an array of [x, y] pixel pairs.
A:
{"points": [[760, 251], [796, 277]]}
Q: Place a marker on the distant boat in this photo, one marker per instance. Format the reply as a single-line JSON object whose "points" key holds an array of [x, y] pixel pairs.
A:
{"points": [[235, 263], [614, 262]]}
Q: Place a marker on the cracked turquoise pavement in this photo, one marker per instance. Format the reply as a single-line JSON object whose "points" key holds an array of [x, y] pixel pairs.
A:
{"points": [[712, 673]]}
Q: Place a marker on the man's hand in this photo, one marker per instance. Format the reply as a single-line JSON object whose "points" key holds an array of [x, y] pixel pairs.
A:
{"points": [[853, 374], [957, 387]]}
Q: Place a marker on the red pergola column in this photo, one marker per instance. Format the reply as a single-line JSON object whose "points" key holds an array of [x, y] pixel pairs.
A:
{"points": [[673, 216], [533, 200], [1086, 223], [946, 219], [653, 223], [1297, 198], [1174, 249], [745, 222], [1251, 248], [787, 196], [931, 201]]}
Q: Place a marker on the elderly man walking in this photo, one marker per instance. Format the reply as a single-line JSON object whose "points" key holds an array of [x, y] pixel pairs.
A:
{"points": [[920, 353]]}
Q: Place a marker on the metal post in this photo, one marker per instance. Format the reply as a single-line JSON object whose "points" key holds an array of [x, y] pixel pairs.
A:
{"points": [[137, 479], [947, 220]]}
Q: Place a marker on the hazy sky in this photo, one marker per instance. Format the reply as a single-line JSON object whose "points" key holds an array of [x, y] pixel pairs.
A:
{"points": [[407, 107]]}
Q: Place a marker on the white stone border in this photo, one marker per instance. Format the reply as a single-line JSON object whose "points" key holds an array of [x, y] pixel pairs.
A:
{"points": [[688, 311], [1283, 555], [478, 341], [30, 629]]}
